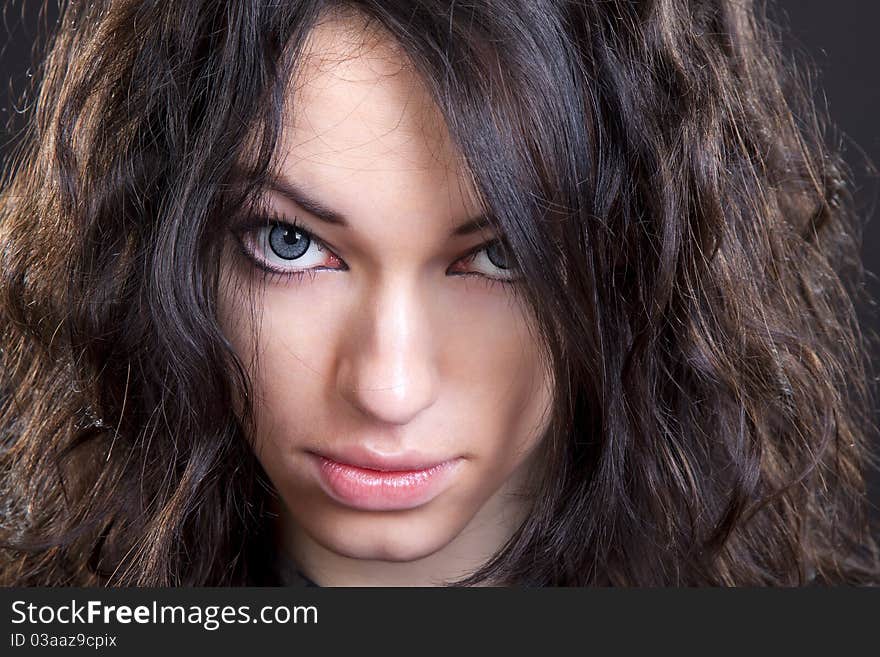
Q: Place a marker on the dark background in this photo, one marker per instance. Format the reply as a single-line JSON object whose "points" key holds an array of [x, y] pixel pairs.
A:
{"points": [[834, 43]]}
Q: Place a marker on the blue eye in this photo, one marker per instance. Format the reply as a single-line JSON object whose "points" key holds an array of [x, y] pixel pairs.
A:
{"points": [[288, 242], [284, 249], [492, 261], [498, 255]]}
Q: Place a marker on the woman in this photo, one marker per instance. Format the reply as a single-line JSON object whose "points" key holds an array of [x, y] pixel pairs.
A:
{"points": [[369, 293]]}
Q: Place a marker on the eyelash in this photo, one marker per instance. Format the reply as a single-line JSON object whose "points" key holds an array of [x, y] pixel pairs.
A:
{"points": [[272, 219]]}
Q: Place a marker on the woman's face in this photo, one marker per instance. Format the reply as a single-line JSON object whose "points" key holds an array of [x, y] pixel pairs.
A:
{"points": [[401, 347]]}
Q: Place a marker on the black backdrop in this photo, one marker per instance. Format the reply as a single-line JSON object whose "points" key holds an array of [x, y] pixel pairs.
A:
{"points": [[835, 41]]}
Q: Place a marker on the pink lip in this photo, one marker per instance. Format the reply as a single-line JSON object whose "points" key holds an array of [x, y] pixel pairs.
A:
{"points": [[381, 487]]}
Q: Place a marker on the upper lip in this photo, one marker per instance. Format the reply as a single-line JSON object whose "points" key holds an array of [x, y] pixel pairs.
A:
{"points": [[364, 457]]}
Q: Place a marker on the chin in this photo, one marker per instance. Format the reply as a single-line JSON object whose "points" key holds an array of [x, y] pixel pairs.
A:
{"points": [[383, 535]]}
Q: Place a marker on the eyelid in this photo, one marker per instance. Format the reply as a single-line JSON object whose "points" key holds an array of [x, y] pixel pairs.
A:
{"points": [[271, 218]]}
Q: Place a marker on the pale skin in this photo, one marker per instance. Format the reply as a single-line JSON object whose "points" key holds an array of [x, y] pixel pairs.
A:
{"points": [[381, 344]]}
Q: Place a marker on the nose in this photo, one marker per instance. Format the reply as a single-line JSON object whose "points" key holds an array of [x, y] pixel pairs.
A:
{"points": [[388, 368]]}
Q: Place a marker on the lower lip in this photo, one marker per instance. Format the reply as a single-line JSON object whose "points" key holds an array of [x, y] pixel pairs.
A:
{"points": [[377, 490]]}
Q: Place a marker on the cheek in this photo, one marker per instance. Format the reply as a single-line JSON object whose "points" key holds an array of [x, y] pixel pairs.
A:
{"points": [[288, 355], [501, 387], [491, 354]]}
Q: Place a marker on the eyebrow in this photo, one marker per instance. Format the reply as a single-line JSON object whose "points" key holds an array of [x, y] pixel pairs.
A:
{"points": [[298, 196]]}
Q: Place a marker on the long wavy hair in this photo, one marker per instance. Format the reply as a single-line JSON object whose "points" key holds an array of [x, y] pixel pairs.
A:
{"points": [[683, 226]]}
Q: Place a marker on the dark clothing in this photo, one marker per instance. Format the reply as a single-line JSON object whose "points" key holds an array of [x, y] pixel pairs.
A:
{"points": [[290, 575]]}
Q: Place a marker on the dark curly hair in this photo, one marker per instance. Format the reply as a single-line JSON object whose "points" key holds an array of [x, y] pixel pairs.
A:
{"points": [[694, 285]]}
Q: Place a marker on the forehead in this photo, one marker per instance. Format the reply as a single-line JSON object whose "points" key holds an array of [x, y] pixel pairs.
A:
{"points": [[359, 109], [352, 69]]}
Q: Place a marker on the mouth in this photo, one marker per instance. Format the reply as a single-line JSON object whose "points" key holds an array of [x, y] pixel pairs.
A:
{"points": [[383, 483]]}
